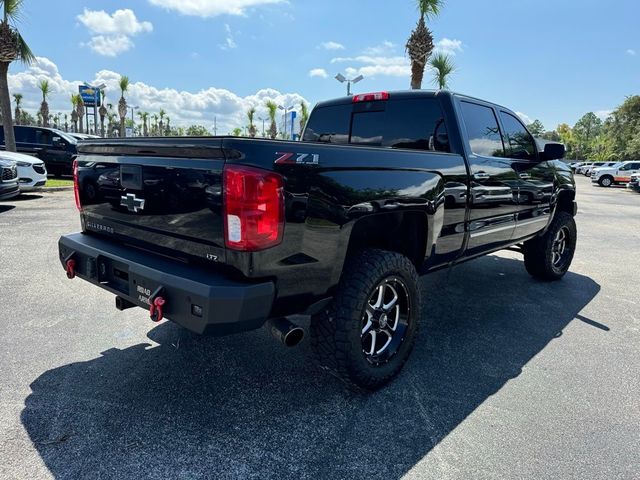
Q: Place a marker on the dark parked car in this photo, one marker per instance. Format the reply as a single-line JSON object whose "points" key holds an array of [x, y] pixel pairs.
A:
{"points": [[9, 187], [225, 234], [55, 148]]}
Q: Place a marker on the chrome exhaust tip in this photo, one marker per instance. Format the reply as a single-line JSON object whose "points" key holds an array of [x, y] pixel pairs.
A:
{"points": [[286, 332]]}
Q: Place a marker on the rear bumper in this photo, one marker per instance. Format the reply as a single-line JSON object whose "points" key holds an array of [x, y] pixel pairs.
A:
{"points": [[202, 301]]}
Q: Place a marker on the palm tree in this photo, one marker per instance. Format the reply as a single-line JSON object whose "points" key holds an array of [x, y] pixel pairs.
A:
{"points": [[43, 86], [168, 127], [66, 122], [111, 120], [443, 67], [154, 128], [74, 112], [102, 111], [81, 111], [304, 116], [122, 104], [162, 114], [252, 128], [18, 115], [12, 47], [420, 43], [273, 110], [144, 116]]}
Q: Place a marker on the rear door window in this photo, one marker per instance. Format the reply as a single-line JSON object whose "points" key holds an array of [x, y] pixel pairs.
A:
{"points": [[416, 124], [44, 137], [483, 132], [24, 135]]}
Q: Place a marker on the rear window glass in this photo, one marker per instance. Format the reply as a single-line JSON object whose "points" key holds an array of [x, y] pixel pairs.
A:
{"points": [[413, 124]]}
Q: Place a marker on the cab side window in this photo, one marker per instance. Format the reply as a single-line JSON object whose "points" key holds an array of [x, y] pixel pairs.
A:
{"points": [[483, 131], [44, 137], [519, 142]]}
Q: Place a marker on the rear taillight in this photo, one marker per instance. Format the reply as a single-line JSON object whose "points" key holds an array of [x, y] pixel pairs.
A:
{"points": [[76, 185], [371, 97], [253, 208]]}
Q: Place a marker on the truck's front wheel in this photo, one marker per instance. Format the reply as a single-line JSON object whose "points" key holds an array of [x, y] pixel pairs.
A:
{"points": [[366, 335], [549, 256]]}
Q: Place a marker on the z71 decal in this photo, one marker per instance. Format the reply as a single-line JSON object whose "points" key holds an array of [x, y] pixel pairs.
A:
{"points": [[297, 158]]}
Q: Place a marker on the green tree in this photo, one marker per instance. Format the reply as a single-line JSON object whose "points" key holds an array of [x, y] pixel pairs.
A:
{"points": [[18, 114], [420, 43], [536, 128], [584, 131], [304, 116], [443, 67], [252, 128], [236, 132], [123, 83], [623, 129], [161, 115], [44, 88], [273, 110], [12, 47], [197, 131]]}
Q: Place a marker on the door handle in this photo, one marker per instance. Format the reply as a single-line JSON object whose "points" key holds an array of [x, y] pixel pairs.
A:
{"points": [[481, 176], [525, 176]]}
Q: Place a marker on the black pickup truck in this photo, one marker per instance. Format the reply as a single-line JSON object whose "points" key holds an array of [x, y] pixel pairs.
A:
{"points": [[222, 235]]}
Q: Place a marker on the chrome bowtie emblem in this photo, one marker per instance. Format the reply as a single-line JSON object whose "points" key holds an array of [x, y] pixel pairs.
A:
{"points": [[132, 203]]}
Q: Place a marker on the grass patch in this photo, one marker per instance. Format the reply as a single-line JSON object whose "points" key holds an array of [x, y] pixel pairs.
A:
{"points": [[57, 182]]}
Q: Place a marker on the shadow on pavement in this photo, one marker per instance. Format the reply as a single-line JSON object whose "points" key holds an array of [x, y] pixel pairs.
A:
{"points": [[244, 407], [27, 196], [6, 208]]}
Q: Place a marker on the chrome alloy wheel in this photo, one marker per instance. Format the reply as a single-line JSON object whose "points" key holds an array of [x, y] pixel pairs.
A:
{"points": [[385, 321], [559, 248]]}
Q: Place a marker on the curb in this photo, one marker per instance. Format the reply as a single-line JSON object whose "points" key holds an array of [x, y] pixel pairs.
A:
{"points": [[51, 189]]}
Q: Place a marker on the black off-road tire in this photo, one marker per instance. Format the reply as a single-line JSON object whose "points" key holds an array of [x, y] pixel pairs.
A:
{"points": [[337, 333], [542, 258]]}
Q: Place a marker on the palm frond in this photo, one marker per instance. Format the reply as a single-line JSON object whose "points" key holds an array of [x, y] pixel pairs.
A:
{"points": [[12, 9], [430, 8], [25, 55], [443, 67], [124, 84]]}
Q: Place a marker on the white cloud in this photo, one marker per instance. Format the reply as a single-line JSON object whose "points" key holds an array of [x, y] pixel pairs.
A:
{"points": [[211, 8], [110, 45], [525, 118], [376, 66], [318, 72], [229, 41], [112, 33], [331, 46], [603, 114], [183, 107], [631, 52], [384, 48], [448, 46]]}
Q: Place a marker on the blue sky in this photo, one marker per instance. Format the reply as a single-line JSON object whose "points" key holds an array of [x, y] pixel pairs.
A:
{"points": [[552, 60]]}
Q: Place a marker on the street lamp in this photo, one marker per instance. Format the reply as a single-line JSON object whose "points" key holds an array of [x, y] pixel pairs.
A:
{"points": [[286, 111], [263, 120], [133, 122], [342, 79]]}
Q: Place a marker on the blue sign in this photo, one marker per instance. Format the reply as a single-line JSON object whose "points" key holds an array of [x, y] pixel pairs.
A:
{"points": [[90, 96]]}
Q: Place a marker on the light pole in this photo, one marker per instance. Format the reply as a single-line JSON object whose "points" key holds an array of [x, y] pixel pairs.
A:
{"points": [[263, 120], [133, 121], [342, 79], [286, 112]]}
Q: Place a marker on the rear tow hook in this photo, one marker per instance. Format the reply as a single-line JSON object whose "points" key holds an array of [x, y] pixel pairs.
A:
{"points": [[157, 303], [70, 265]]}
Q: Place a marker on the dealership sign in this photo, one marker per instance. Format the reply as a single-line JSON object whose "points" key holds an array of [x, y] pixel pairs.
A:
{"points": [[90, 96]]}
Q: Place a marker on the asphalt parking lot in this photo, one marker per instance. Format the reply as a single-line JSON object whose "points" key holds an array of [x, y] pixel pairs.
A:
{"points": [[511, 378]]}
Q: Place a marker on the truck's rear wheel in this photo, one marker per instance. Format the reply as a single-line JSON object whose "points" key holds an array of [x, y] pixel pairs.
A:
{"points": [[549, 257], [366, 335]]}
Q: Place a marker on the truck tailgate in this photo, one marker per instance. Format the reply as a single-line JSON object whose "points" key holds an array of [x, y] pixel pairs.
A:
{"points": [[162, 197]]}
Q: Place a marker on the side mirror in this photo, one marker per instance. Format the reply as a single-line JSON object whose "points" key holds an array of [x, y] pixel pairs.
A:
{"points": [[554, 151], [58, 142]]}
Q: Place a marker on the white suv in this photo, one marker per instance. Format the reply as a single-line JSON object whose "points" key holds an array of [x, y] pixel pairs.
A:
{"points": [[620, 173]]}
